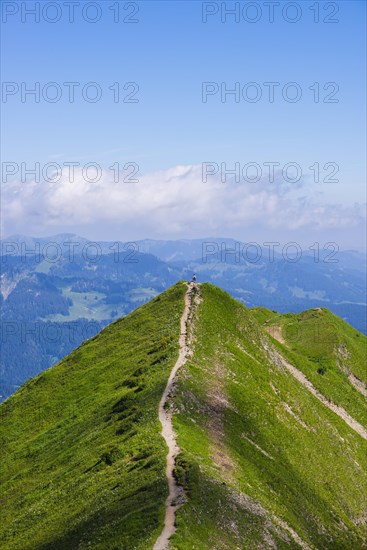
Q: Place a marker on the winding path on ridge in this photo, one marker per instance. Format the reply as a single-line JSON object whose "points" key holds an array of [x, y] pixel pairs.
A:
{"points": [[175, 497]]}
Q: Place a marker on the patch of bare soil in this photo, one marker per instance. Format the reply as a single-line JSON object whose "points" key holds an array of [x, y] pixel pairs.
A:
{"points": [[276, 333]]}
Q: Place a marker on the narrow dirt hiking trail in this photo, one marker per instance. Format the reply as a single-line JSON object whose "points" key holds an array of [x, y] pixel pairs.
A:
{"points": [[176, 496], [342, 413], [358, 384]]}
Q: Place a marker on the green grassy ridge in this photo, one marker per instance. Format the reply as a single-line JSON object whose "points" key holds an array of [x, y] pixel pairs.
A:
{"points": [[315, 341], [83, 461], [314, 479]]}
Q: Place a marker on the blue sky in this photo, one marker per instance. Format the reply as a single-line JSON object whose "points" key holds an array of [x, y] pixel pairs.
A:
{"points": [[169, 53]]}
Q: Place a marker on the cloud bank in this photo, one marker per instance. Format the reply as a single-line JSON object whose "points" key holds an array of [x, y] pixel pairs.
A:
{"points": [[176, 203]]}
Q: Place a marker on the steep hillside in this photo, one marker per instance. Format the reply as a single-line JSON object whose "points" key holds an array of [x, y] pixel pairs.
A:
{"points": [[81, 452], [270, 433], [265, 462], [327, 350]]}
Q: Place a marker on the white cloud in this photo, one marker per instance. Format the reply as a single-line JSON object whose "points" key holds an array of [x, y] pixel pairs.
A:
{"points": [[170, 203]]}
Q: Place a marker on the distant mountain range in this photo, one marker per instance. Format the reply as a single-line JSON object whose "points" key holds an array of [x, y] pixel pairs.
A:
{"points": [[58, 291]]}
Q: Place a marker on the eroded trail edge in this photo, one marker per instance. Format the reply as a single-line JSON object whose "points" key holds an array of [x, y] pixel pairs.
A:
{"points": [[176, 496]]}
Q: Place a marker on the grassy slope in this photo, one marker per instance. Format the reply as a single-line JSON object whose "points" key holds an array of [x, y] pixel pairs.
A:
{"points": [[326, 349], [83, 460], [307, 467]]}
